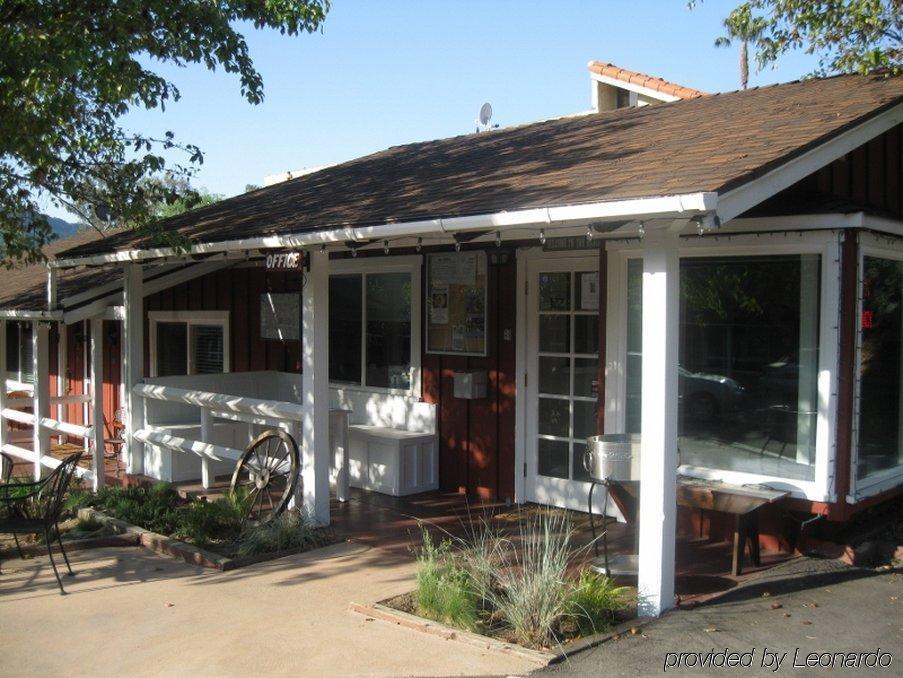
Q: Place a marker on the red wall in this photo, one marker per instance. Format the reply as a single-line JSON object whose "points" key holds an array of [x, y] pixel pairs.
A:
{"points": [[476, 437]]}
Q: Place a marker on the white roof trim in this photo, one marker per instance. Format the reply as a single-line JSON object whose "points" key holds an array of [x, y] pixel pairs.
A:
{"points": [[685, 205], [750, 194], [631, 87]]}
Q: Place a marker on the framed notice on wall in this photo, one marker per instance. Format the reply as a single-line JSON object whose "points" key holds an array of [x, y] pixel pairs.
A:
{"points": [[280, 316], [456, 285]]}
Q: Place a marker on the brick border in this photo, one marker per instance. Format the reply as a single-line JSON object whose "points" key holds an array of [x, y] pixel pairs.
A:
{"points": [[540, 657], [189, 553]]}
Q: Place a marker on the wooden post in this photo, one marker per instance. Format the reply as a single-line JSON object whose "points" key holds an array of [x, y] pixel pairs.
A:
{"points": [[133, 363], [315, 359], [206, 437], [62, 364], [40, 342], [4, 425], [658, 476], [97, 393]]}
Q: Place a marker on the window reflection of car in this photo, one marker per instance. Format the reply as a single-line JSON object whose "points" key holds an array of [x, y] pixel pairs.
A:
{"points": [[704, 397], [708, 397]]}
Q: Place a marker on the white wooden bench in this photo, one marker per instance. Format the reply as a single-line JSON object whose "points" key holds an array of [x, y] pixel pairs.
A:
{"points": [[393, 446]]}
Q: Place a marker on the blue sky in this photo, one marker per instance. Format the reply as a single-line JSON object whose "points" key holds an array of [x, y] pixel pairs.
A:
{"points": [[384, 73]]}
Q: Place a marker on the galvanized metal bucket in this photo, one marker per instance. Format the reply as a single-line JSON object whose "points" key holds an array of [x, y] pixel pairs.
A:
{"points": [[613, 457]]}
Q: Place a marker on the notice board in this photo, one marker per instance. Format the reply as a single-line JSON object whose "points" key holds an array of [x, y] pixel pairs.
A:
{"points": [[456, 303], [280, 316]]}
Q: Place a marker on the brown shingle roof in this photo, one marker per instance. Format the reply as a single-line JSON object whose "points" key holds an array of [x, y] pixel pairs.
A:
{"points": [[643, 80], [710, 143], [24, 288]]}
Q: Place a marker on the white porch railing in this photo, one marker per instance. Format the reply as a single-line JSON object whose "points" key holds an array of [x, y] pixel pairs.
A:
{"points": [[13, 412], [162, 429]]}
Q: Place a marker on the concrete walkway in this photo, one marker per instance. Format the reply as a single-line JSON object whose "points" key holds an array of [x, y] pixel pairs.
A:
{"points": [[807, 605], [131, 612]]}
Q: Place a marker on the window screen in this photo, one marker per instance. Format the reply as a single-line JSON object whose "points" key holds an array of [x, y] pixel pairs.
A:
{"points": [[172, 349], [206, 349], [345, 328]]}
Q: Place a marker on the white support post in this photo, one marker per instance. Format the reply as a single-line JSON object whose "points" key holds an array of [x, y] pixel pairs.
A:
{"points": [[658, 475], [133, 363], [40, 345], [206, 437], [62, 367], [97, 400], [86, 376], [315, 452], [4, 424]]}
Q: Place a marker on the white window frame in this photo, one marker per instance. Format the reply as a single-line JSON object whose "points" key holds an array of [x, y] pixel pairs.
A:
{"points": [[15, 380], [862, 488], [208, 318], [824, 243], [412, 265]]}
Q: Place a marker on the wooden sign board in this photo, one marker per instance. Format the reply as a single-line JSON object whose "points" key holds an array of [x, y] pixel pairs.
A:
{"points": [[293, 260]]}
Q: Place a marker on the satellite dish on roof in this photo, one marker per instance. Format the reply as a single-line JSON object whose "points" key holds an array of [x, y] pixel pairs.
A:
{"points": [[485, 114]]}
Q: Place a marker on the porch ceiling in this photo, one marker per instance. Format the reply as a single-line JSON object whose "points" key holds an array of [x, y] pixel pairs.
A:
{"points": [[708, 144]]}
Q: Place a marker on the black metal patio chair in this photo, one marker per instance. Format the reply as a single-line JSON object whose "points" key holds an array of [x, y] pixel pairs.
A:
{"points": [[35, 508], [7, 467]]}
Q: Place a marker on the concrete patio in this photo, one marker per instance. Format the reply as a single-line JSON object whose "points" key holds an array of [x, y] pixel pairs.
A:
{"points": [[130, 612]]}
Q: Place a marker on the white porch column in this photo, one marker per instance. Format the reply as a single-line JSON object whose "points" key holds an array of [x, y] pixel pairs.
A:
{"points": [[62, 365], [133, 363], [658, 476], [206, 437], [40, 345], [4, 425], [315, 361], [97, 400]]}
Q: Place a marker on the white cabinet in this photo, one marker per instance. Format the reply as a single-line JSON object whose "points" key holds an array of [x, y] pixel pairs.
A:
{"points": [[393, 461]]}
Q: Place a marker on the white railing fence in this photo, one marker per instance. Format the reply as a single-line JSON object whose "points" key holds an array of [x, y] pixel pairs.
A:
{"points": [[14, 411]]}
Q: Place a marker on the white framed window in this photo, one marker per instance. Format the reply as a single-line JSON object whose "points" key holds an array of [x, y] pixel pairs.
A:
{"points": [[374, 324], [19, 364], [188, 342], [877, 459], [758, 354]]}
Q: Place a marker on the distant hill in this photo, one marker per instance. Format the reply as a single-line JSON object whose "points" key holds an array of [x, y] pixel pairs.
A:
{"points": [[63, 228]]}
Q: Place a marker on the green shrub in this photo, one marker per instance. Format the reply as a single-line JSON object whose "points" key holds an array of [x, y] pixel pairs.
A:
{"points": [[154, 508], [203, 522], [594, 602], [445, 590], [78, 499], [287, 531]]}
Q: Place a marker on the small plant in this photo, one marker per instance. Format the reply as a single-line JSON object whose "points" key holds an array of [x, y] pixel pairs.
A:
{"points": [[90, 524], [287, 531], [594, 602], [202, 522], [533, 591], [445, 590], [77, 499]]}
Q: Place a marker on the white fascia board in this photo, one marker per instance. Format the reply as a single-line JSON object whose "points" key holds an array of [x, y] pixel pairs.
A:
{"points": [[631, 87], [689, 204], [737, 201], [31, 315]]}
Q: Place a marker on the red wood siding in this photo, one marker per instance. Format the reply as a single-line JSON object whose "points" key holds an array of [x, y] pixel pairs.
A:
{"points": [[871, 176], [238, 291], [476, 437]]}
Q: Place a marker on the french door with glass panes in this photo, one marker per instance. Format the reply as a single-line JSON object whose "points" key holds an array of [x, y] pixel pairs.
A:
{"points": [[562, 342]]}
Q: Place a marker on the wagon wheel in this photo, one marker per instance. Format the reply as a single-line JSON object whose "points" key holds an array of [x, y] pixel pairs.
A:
{"points": [[268, 472]]}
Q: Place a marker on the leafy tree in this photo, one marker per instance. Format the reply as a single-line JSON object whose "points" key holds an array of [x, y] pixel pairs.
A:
{"points": [[847, 36], [70, 69]]}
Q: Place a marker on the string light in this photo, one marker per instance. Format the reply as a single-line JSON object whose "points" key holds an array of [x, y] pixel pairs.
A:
{"points": [[542, 237], [386, 246], [354, 252], [589, 234], [642, 230], [323, 249], [457, 246], [419, 244], [699, 229], [498, 238]]}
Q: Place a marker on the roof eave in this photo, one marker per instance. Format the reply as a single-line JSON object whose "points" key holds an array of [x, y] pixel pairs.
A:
{"points": [[652, 207]]}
